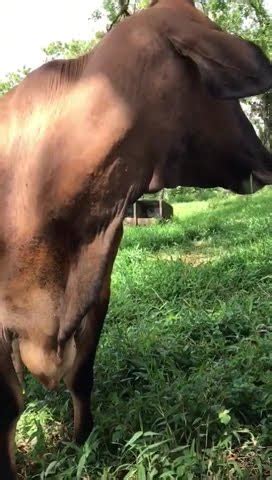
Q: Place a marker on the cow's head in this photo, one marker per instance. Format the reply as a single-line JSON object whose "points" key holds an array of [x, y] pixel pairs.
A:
{"points": [[217, 145]]}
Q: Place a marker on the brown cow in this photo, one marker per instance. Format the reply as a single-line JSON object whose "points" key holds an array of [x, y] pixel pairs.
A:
{"points": [[154, 105]]}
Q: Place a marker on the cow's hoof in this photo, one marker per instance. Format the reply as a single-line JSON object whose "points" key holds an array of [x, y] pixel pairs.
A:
{"points": [[82, 434]]}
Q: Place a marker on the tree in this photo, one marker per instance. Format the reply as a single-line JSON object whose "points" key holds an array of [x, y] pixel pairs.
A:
{"points": [[72, 49], [67, 49], [12, 79], [116, 10]]}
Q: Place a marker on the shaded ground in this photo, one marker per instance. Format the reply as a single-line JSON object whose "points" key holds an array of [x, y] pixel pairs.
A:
{"points": [[183, 373]]}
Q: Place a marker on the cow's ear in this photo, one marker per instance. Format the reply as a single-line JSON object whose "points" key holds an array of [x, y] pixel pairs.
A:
{"points": [[229, 66]]}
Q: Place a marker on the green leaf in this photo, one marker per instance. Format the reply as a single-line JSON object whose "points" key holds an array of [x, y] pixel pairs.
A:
{"points": [[141, 475], [224, 417]]}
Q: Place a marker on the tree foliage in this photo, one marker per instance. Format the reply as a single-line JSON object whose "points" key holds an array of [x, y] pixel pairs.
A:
{"points": [[67, 49], [72, 49], [12, 79]]}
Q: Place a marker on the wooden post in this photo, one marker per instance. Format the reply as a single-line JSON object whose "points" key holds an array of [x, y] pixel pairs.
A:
{"points": [[135, 213], [160, 202]]}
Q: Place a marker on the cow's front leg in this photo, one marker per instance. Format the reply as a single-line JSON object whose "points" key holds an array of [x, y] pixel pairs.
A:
{"points": [[11, 403], [80, 379], [17, 361]]}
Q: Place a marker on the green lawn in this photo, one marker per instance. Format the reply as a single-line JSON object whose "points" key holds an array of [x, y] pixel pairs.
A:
{"points": [[184, 369]]}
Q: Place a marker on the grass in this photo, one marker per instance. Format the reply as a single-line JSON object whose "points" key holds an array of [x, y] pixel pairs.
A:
{"points": [[183, 372]]}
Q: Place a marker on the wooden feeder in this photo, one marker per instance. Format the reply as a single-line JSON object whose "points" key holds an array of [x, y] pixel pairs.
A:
{"points": [[146, 212]]}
